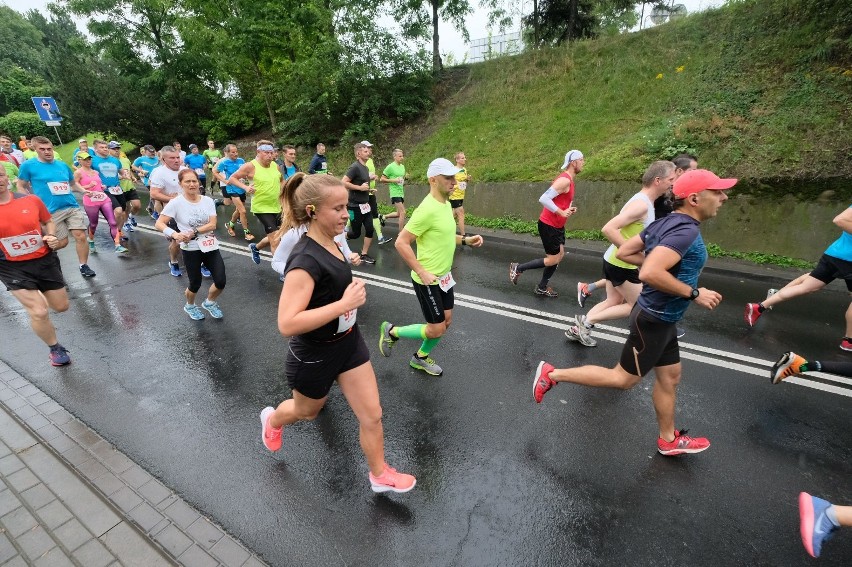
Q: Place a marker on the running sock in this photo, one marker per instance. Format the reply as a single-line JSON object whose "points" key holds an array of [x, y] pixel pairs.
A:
{"points": [[591, 287], [409, 332], [427, 346], [831, 513], [377, 226], [832, 367], [536, 264], [545, 277]]}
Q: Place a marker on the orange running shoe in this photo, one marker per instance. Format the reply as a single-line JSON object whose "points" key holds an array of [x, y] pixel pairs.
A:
{"points": [[392, 481], [271, 435]]}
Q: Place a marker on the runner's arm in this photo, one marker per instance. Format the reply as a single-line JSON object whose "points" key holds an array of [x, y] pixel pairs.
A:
{"points": [[157, 194], [245, 171], [655, 273], [347, 182], [23, 186], [844, 220], [632, 213], [632, 251], [48, 229], [404, 242], [559, 186], [294, 317]]}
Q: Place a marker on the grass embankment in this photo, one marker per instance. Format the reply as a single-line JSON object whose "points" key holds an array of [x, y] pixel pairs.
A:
{"points": [[66, 151], [759, 89]]}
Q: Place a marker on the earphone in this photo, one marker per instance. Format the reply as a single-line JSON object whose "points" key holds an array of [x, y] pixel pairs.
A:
{"points": [[312, 210]]}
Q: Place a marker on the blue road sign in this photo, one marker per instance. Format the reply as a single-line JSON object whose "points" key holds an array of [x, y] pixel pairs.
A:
{"points": [[47, 109]]}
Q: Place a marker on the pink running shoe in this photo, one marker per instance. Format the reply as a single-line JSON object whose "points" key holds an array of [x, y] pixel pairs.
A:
{"points": [[752, 313], [846, 344], [681, 444], [271, 436], [392, 481], [541, 381]]}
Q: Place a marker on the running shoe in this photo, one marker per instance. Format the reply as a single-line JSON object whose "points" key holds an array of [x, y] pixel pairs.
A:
{"points": [[367, 259], [385, 239], [213, 308], [174, 269], [281, 278], [770, 293], [386, 341], [248, 235], [680, 332], [381, 221], [122, 236], [426, 364], [271, 436], [392, 481], [86, 271], [219, 202], [255, 253], [119, 249], [128, 227], [681, 444], [92, 248], [846, 344], [788, 365], [572, 334], [583, 332], [204, 271], [59, 355], [752, 313], [547, 292], [229, 226], [239, 222], [514, 274], [541, 381], [155, 215], [133, 221], [193, 311], [814, 524], [583, 293]]}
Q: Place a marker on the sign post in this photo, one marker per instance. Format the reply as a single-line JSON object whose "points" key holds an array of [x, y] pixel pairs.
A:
{"points": [[48, 113]]}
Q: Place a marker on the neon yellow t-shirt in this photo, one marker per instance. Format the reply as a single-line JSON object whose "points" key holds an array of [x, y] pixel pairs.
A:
{"points": [[461, 185], [433, 225], [371, 167], [267, 187], [395, 171], [125, 184]]}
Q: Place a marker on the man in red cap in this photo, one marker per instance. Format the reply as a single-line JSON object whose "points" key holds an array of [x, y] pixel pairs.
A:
{"points": [[671, 254]]}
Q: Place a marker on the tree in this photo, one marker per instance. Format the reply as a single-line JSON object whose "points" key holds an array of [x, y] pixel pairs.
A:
{"points": [[559, 21], [418, 17]]}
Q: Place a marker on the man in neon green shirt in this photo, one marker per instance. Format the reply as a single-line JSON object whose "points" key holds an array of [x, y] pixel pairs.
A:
{"points": [[213, 156], [374, 205], [394, 176], [433, 228]]}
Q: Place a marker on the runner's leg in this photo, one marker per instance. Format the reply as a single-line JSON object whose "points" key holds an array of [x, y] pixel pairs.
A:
{"points": [[361, 391]]}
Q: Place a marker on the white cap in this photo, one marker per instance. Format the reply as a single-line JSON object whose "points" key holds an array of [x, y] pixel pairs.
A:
{"points": [[572, 155], [441, 166], [366, 143]]}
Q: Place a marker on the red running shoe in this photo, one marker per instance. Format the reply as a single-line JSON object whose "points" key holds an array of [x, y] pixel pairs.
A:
{"points": [[271, 436], [752, 313], [846, 344], [541, 381], [682, 444]]}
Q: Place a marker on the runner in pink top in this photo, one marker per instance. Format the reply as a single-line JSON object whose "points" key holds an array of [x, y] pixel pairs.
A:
{"points": [[95, 200]]}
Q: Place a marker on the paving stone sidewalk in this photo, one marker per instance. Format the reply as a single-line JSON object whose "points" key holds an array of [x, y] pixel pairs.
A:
{"points": [[68, 497]]}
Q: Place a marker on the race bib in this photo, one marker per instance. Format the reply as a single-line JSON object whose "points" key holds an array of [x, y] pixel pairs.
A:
{"points": [[115, 190], [98, 197], [199, 171], [446, 282], [345, 321], [59, 187], [22, 244], [365, 208], [323, 166], [207, 242], [462, 185]]}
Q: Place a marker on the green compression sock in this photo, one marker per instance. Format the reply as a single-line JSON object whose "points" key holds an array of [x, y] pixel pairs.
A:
{"points": [[409, 332], [427, 346], [377, 226]]}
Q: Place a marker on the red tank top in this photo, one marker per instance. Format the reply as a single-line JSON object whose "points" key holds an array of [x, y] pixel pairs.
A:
{"points": [[563, 201]]}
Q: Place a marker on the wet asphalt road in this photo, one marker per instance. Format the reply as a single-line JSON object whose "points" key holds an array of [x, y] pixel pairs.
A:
{"points": [[501, 480]]}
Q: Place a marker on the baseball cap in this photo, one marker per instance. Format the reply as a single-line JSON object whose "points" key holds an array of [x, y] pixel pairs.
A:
{"points": [[697, 180], [366, 143], [81, 140], [441, 166], [572, 155], [192, 146], [83, 155], [113, 145]]}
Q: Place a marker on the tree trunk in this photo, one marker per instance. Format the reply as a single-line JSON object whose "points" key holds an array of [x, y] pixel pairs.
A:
{"points": [[436, 54], [572, 19], [272, 121], [535, 24]]}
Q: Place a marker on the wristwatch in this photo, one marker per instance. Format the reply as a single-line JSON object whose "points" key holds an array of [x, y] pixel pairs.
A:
{"points": [[693, 294]]}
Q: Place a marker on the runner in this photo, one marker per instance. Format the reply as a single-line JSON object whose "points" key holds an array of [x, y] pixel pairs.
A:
{"points": [[28, 152], [818, 520], [166, 186], [558, 203], [180, 152], [433, 228], [265, 193], [394, 176], [791, 364], [8, 152], [622, 279], [674, 254], [836, 263], [106, 163], [29, 267], [198, 163], [374, 205], [82, 146], [319, 163], [213, 156], [457, 196], [143, 166], [95, 201], [318, 309], [232, 194], [289, 167], [53, 181], [195, 216], [128, 185], [357, 181]]}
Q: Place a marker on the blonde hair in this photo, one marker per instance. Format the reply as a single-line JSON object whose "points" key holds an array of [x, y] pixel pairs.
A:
{"points": [[300, 191]]}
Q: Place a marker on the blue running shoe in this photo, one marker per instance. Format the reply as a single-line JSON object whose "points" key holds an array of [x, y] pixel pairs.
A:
{"points": [[59, 356], [155, 215], [193, 311], [174, 269], [815, 525], [213, 308], [255, 253], [204, 271], [128, 227], [133, 221]]}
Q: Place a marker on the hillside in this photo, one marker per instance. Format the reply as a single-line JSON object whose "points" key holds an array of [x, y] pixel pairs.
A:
{"points": [[759, 89]]}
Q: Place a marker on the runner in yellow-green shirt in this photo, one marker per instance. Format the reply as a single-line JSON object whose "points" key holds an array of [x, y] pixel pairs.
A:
{"points": [[213, 156], [434, 230], [457, 196], [394, 176]]}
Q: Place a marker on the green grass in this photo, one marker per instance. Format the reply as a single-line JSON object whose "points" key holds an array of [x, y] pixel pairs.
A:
{"points": [[759, 89], [66, 151]]}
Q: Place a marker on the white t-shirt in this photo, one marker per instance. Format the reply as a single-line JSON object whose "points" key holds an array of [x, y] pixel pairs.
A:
{"points": [[166, 179], [190, 215], [289, 240]]}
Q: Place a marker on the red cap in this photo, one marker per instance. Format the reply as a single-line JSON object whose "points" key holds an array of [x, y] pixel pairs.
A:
{"points": [[697, 180]]}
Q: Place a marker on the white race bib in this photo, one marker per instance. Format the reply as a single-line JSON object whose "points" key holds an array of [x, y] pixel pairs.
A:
{"points": [[199, 171], [97, 197], [462, 185], [59, 187], [365, 208], [22, 244], [207, 242], [446, 282], [345, 321], [115, 190]]}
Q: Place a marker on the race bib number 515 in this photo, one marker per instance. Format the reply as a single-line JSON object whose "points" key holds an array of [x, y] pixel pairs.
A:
{"points": [[22, 244]]}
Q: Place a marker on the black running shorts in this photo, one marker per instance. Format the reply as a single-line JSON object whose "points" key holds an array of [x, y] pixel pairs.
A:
{"points": [[552, 238], [456, 203], [616, 275], [312, 367], [433, 301], [651, 343], [42, 274], [269, 221], [131, 195], [830, 268]]}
